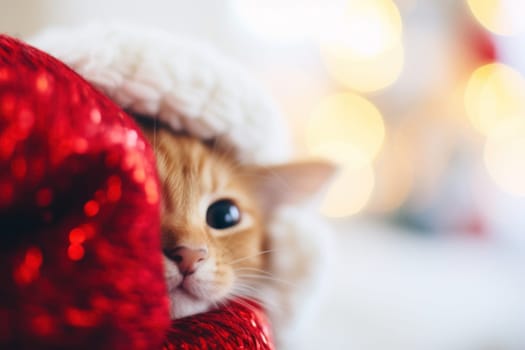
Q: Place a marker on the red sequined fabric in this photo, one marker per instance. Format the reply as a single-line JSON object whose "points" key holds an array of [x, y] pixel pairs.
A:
{"points": [[80, 264], [239, 325]]}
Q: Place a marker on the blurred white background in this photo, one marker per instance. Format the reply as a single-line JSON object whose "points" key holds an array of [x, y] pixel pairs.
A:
{"points": [[422, 103]]}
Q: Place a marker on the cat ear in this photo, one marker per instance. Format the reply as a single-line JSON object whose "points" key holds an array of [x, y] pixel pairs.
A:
{"points": [[292, 183]]}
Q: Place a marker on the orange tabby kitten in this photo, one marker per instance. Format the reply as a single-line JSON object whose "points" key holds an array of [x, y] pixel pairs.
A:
{"points": [[214, 216]]}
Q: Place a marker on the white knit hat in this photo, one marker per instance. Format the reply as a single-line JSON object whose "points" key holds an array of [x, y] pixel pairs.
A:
{"points": [[187, 85], [191, 87]]}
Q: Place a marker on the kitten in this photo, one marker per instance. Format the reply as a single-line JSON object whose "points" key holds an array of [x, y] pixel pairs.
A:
{"points": [[214, 216]]}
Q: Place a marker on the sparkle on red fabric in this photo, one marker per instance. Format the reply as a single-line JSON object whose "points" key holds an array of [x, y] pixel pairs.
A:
{"points": [[152, 193], [95, 116], [42, 83], [139, 174], [75, 251], [6, 193], [7, 145], [80, 145], [82, 318], [33, 258], [91, 208], [19, 167], [44, 197], [114, 188], [42, 325], [88, 229], [77, 236]]}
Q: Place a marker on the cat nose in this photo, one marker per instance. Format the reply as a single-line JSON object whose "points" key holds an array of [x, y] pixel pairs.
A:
{"points": [[187, 259]]}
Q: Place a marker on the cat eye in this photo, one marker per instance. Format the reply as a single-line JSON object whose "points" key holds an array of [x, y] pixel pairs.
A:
{"points": [[223, 214]]}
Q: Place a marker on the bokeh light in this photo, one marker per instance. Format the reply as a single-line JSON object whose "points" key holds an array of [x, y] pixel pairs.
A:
{"points": [[349, 192], [362, 47], [347, 129], [285, 20], [504, 17], [363, 29], [494, 94], [368, 75], [505, 156], [360, 40]]}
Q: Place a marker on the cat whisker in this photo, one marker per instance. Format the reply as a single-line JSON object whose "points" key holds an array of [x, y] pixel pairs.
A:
{"points": [[220, 304], [269, 278], [245, 288], [244, 294], [239, 296], [240, 269], [267, 304], [248, 289], [252, 256], [247, 304]]}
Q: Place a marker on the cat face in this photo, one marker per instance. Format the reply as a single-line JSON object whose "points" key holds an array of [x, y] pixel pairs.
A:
{"points": [[214, 215]]}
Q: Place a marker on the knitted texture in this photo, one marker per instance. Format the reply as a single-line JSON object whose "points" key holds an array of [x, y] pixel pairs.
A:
{"points": [[187, 85], [244, 326]]}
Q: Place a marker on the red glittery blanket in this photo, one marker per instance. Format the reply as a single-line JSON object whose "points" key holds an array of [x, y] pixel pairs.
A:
{"points": [[80, 261]]}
